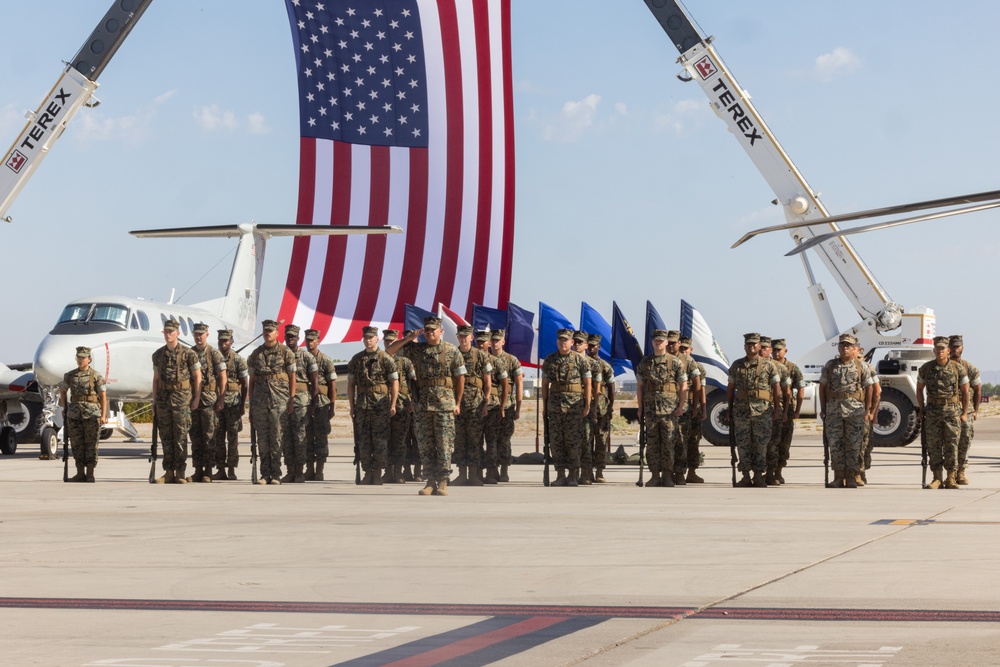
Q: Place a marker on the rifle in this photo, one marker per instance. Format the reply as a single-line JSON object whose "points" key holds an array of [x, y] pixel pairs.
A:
{"points": [[548, 452], [65, 451], [152, 454], [826, 458], [923, 451], [253, 454], [732, 442], [642, 448], [357, 458]]}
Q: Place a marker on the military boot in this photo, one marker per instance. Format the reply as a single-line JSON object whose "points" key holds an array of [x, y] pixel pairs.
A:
{"points": [[679, 479], [586, 476], [849, 480], [937, 481], [376, 477], [693, 478], [418, 474], [960, 478], [206, 475], [475, 479], [166, 478], [289, 476], [81, 476], [666, 479], [400, 477], [560, 479], [838, 480], [949, 483], [599, 476], [758, 479], [491, 476], [310, 471], [274, 481], [463, 477], [654, 479], [427, 490], [231, 473], [769, 479], [573, 477], [442, 488], [387, 476], [300, 477], [745, 480], [90, 474], [179, 477], [319, 470], [220, 475], [778, 476], [859, 478], [504, 477], [367, 479]]}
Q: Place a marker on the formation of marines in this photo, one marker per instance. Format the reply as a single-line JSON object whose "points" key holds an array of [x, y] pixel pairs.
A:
{"points": [[418, 407]]}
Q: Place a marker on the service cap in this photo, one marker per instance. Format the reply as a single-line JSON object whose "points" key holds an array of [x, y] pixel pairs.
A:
{"points": [[685, 342], [431, 322], [778, 343], [955, 341], [312, 334], [940, 341], [464, 330], [225, 334], [765, 341], [200, 327], [851, 340], [171, 325], [269, 325], [83, 351], [388, 335], [594, 339], [661, 334], [292, 330], [496, 334], [673, 336], [369, 332], [580, 336], [751, 338], [482, 336], [565, 333]]}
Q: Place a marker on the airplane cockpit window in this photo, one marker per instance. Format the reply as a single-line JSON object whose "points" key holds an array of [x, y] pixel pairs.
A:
{"points": [[74, 312], [143, 320], [110, 312]]}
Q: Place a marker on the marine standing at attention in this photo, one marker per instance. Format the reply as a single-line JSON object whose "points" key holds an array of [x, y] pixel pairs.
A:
{"points": [[957, 346], [753, 392], [496, 402], [602, 405], [227, 432], [401, 423], [845, 393], [794, 394], [585, 475], [512, 410], [83, 415], [272, 385], [685, 422], [693, 415], [324, 409], [661, 391], [203, 418], [295, 423], [176, 392], [372, 390], [947, 385]]}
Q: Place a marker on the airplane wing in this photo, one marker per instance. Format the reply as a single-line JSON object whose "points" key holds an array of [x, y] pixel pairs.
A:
{"points": [[229, 231]]}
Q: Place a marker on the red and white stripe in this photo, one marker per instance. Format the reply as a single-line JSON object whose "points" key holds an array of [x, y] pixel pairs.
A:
{"points": [[453, 199]]}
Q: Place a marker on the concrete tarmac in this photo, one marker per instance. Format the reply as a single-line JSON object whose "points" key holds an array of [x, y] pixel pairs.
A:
{"points": [[229, 574]]}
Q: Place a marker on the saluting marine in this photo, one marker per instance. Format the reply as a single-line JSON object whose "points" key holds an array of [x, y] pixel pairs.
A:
{"points": [[203, 417], [947, 385], [372, 390], [272, 384], [176, 392], [956, 345], [324, 409], [845, 398], [752, 391], [227, 431], [661, 391], [84, 413]]}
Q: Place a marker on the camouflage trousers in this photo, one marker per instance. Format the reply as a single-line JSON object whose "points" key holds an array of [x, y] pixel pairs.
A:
{"points": [[293, 436], [779, 446], [84, 435], [843, 437], [682, 459], [752, 435], [504, 431], [944, 430], [965, 441], [266, 422], [412, 446], [566, 438], [599, 433], [173, 424], [586, 445], [318, 434], [203, 421], [662, 434], [693, 449], [400, 427], [436, 439], [371, 435], [469, 426], [227, 436], [867, 444], [493, 429]]}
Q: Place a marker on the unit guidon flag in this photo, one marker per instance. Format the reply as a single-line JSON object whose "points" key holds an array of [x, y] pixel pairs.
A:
{"points": [[406, 119]]}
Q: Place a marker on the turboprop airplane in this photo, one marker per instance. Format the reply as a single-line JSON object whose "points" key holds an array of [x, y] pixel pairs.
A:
{"points": [[123, 332]]}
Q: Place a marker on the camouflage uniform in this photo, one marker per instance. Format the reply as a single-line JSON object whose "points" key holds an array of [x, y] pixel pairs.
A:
{"points": [[371, 374], [787, 427], [686, 423], [943, 412], [469, 421], [661, 378], [436, 367], [318, 424], [401, 423], [293, 426], [968, 428], [493, 422], [505, 427], [269, 395], [774, 442], [83, 414], [868, 437], [203, 419], [175, 370], [845, 412], [600, 430], [566, 374], [693, 434], [227, 432], [587, 445], [752, 410]]}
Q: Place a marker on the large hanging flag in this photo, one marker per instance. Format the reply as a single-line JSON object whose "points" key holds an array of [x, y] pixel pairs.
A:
{"points": [[521, 340], [653, 322], [624, 347], [592, 322], [704, 347], [484, 317], [406, 118], [550, 321]]}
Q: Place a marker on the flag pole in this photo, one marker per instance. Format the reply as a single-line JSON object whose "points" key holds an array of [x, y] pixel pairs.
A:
{"points": [[538, 397]]}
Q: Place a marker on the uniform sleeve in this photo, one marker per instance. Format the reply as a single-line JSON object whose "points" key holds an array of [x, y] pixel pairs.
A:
{"points": [[514, 368], [798, 379], [974, 380], [99, 383], [824, 376], [732, 374], [290, 365], [251, 363], [775, 374], [457, 364], [963, 377], [390, 368], [680, 373], [193, 363], [411, 372], [242, 368], [352, 369], [585, 373], [220, 362]]}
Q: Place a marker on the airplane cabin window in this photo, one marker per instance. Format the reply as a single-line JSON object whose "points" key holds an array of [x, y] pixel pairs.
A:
{"points": [[75, 312], [163, 318], [110, 312], [184, 326], [143, 320], [191, 324]]}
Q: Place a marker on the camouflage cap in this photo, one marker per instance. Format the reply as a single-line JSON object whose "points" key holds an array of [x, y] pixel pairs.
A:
{"points": [[565, 333], [200, 327], [269, 325], [765, 341], [83, 351], [496, 334], [388, 335], [851, 340], [751, 338], [940, 341], [778, 343], [580, 335], [432, 322], [482, 336], [673, 336], [292, 331], [464, 330], [685, 342], [369, 332], [312, 334], [661, 334], [955, 341], [225, 334], [171, 325], [594, 339]]}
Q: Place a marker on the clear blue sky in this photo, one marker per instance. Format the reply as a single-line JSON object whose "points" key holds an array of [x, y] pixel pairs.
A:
{"points": [[628, 187]]}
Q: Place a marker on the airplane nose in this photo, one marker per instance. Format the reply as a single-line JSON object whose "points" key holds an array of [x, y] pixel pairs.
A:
{"points": [[53, 358]]}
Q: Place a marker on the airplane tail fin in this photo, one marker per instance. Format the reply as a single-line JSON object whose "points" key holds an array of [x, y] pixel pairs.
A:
{"points": [[239, 305]]}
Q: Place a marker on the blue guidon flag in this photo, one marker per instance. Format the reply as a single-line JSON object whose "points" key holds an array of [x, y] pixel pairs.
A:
{"points": [[406, 119]]}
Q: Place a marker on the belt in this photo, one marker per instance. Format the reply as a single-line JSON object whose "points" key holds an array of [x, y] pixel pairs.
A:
{"points": [[434, 382], [323, 389], [232, 386], [301, 387], [841, 395], [565, 388], [666, 388], [380, 388], [943, 401], [763, 394], [86, 399], [175, 386], [474, 381], [404, 390]]}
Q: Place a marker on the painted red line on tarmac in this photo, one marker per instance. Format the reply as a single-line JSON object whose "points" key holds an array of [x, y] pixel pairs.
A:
{"points": [[466, 646], [875, 615]]}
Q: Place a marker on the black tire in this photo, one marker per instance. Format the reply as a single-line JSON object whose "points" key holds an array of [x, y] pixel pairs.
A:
{"points": [[49, 443], [27, 425], [895, 420], [715, 427], [8, 441], [107, 433]]}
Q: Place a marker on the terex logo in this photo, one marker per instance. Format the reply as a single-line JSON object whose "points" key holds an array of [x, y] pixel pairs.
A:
{"points": [[16, 161], [705, 67], [47, 118], [728, 100]]}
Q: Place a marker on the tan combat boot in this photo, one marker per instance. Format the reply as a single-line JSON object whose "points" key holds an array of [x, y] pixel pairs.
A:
{"points": [[769, 478], [560, 479], [275, 481], [166, 478], [745, 480], [90, 474], [949, 483], [586, 476], [504, 477], [693, 478], [289, 476], [310, 471], [179, 478], [491, 476], [859, 478], [599, 476], [573, 477], [427, 490], [463, 477], [838, 480], [442, 488], [206, 476], [777, 475], [961, 479], [319, 470], [407, 473], [80, 475], [937, 481], [418, 475]]}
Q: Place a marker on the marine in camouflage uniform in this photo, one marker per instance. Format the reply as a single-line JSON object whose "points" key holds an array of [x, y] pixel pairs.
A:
{"points": [[203, 418], [401, 424], [794, 396], [956, 345], [83, 414], [586, 472], [601, 406], [440, 382], [781, 408], [411, 466], [752, 391], [372, 391], [868, 440], [690, 421], [295, 423], [947, 385], [324, 409], [496, 404], [685, 422], [512, 408], [468, 454], [176, 392], [227, 431], [845, 399], [661, 391], [272, 382]]}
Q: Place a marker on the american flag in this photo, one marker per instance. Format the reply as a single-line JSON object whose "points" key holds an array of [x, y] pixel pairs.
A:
{"points": [[406, 119]]}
